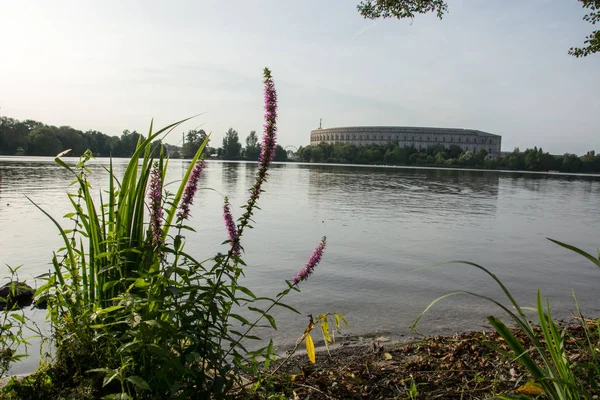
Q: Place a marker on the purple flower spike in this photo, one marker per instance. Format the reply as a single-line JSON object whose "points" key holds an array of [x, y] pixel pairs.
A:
{"points": [[313, 261], [232, 233], [190, 190], [270, 128], [156, 211], [267, 149]]}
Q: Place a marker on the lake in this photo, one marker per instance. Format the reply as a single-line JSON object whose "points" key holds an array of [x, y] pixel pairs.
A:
{"points": [[382, 225]]}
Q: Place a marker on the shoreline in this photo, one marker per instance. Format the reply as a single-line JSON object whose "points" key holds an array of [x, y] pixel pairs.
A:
{"points": [[462, 365]]}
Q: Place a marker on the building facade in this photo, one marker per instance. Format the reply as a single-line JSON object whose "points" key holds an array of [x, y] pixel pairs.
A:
{"points": [[420, 138]]}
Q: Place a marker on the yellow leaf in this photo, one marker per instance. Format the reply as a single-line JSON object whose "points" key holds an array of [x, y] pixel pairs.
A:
{"points": [[387, 356], [310, 349], [531, 388], [325, 330]]}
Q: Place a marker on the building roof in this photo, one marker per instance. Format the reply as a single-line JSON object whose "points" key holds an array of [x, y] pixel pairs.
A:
{"points": [[405, 129]]}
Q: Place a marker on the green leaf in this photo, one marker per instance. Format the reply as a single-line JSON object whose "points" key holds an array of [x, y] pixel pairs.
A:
{"points": [[139, 382], [109, 309], [109, 285], [271, 321], [240, 318], [19, 318], [246, 291], [578, 251], [288, 307]]}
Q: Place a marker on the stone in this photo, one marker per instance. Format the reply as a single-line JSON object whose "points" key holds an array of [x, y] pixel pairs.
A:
{"points": [[22, 296]]}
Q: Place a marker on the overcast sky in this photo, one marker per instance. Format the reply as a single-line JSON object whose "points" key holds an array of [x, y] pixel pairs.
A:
{"points": [[500, 66]]}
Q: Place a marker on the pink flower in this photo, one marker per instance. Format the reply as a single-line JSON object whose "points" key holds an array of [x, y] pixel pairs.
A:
{"points": [[313, 261], [267, 150], [190, 190], [156, 211], [232, 232]]}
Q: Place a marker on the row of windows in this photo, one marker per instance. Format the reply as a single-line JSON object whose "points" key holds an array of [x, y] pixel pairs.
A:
{"points": [[473, 149], [320, 138]]}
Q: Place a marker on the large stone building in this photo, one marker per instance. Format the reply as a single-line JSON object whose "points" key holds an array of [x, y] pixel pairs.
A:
{"points": [[421, 138]]}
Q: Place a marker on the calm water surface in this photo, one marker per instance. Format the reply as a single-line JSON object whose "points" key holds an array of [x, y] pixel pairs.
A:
{"points": [[382, 224]]}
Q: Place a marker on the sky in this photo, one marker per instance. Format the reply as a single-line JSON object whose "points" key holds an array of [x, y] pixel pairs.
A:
{"points": [[500, 66]]}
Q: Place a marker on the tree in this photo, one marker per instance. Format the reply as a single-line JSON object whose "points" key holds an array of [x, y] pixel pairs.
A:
{"points": [[72, 139], [128, 143], [252, 151], [43, 142], [232, 147], [374, 9], [14, 134], [193, 141], [593, 40], [280, 154]]}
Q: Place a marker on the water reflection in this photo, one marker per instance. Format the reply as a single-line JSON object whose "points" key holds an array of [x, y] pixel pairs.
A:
{"points": [[394, 192], [229, 176]]}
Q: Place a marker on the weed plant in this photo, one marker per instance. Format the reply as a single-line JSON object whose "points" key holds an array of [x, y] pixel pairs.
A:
{"points": [[134, 314], [14, 325], [555, 375]]}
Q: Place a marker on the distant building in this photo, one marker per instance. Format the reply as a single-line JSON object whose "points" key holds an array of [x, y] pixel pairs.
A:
{"points": [[420, 138]]}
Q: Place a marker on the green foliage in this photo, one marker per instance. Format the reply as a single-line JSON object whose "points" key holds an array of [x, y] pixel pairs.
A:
{"points": [[543, 354], [133, 314], [392, 154], [193, 140], [43, 140], [35, 138], [592, 41], [373, 9], [252, 149], [280, 154], [399, 9], [13, 324], [232, 148], [14, 135]]}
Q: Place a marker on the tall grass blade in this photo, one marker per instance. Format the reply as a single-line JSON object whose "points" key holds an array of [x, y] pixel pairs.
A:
{"points": [[577, 250]]}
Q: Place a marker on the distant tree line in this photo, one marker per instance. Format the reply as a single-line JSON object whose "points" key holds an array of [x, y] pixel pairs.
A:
{"points": [[437, 156], [231, 148], [33, 138]]}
